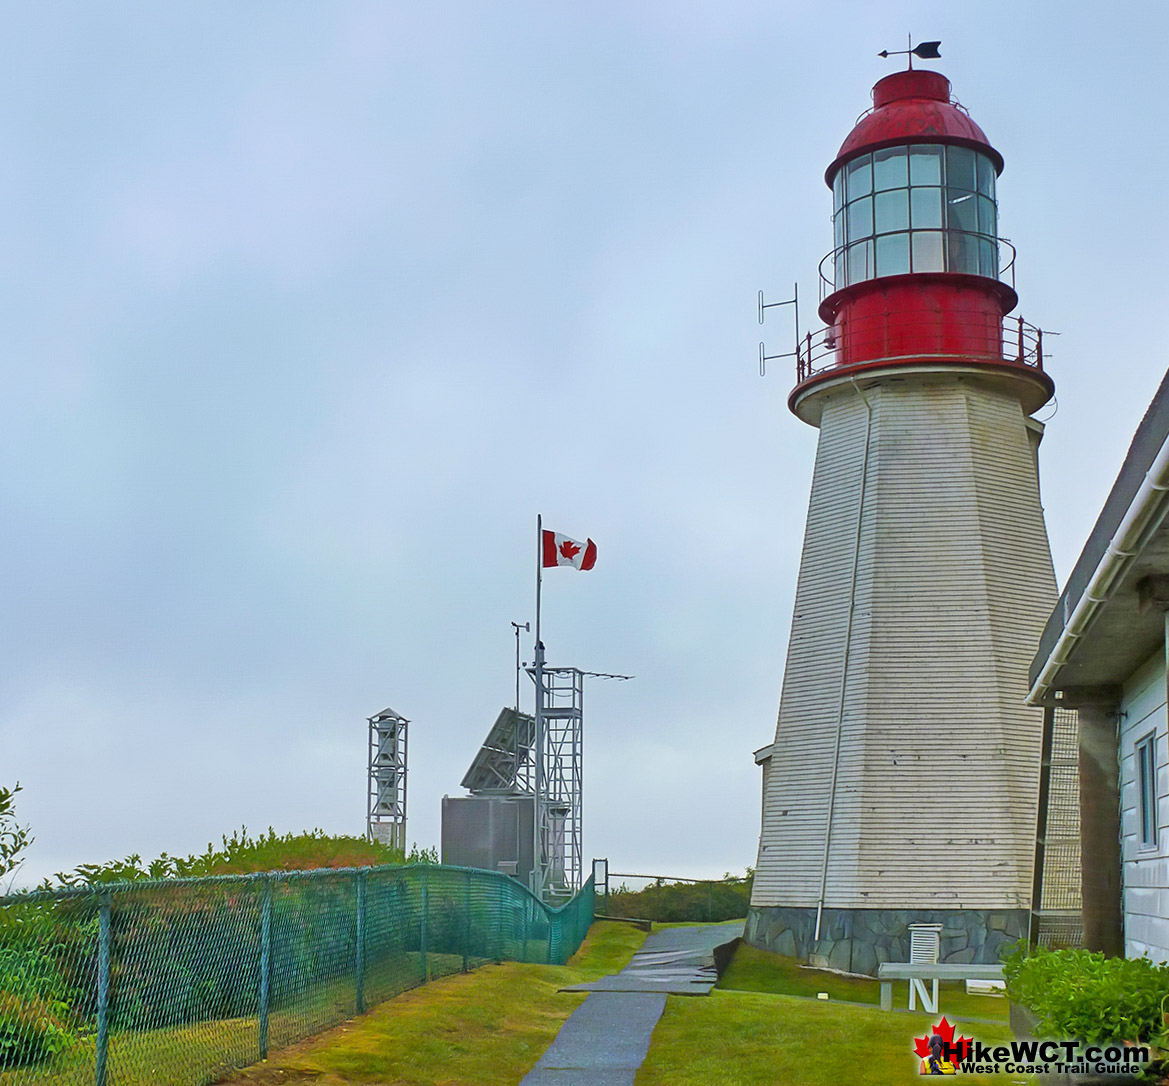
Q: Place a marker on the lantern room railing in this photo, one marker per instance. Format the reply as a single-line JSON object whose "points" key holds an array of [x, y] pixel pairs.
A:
{"points": [[820, 352], [952, 100]]}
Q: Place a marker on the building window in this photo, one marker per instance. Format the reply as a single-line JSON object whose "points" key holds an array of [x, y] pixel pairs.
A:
{"points": [[1146, 758], [920, 208]]}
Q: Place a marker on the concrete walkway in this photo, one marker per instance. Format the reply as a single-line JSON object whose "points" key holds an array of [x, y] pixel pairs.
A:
{"points": [[607, 1037]]}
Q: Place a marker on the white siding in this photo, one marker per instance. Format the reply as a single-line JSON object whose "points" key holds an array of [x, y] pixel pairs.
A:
{"points": [[1145, 870], [935, 804], [795, 803]]}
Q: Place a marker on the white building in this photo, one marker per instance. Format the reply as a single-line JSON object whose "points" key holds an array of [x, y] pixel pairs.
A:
{"points": [[901, 786], [1103, 653]]}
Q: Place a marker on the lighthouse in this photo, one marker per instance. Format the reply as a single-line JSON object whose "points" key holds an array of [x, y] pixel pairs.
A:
{"points": [[901, 785]]}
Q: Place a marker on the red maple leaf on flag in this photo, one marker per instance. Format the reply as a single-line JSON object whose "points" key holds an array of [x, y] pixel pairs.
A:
{"points": [[921, 1045], [569, 549]]}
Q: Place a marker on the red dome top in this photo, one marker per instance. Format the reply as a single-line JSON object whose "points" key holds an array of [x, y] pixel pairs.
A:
{"points": [[913, 107]]}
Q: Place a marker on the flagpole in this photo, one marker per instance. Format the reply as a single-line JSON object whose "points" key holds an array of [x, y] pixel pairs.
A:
{"points": [[538, 725], [539, 568]]}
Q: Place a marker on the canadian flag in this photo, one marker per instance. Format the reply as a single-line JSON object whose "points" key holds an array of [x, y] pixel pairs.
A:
{"points": [[559, 550]]}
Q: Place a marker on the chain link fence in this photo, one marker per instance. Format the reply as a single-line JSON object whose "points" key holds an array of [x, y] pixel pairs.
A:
{"points": [[182, 981]]}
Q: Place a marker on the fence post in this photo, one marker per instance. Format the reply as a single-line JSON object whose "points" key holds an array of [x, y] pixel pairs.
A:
{"points": [[500, 924], [550, 917], [265, 962], [467, 926], [103, 989], [361, 942], [524, 930], [422, 932]]}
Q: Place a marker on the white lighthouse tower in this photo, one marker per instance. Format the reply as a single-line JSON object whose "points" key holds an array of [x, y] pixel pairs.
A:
{"points": [[901, 784]]}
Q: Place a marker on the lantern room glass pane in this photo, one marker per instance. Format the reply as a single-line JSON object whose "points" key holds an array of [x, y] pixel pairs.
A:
{"points": [[890, 168], [891, 211], [860, 219], [839, 279], [985, 175], [893, 254], [961, 252], [960, 169], [962, 211], [838, 230], [926, 208], [986, 216], [860, 177], [989, 257], [927, 251], [925, 165], [838, 191], [860, 262]]}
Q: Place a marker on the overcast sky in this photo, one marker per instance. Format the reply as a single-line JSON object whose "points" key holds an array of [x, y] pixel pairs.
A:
{"points": [[308, 309]]}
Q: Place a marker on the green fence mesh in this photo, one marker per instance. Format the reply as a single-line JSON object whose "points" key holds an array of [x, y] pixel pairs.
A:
{"points": [[181, 981]]}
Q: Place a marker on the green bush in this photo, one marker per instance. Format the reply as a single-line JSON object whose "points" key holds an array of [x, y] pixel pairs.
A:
{"points": [[678, 902], [241, 854], [14, 838], [27, 971], [1084, 995], [35, 1015], [32, 1029]]}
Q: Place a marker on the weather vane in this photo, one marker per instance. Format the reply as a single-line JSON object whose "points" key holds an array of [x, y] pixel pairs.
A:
{"points": [[927, 50]]}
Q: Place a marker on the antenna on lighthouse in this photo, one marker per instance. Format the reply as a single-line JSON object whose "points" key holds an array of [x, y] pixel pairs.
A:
{"points": [[794, 300]]}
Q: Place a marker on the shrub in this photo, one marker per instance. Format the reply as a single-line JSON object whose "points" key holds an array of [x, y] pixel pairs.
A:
{"points": [[1084, 995], [674, 902], [241, 854], [32, 1029], [27, 971], [14, 838]]}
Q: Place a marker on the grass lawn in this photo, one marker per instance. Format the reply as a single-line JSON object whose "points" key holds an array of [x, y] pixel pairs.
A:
{"points": [[754, 970], [484, 1028], [748, 1039], [489, 1027]]}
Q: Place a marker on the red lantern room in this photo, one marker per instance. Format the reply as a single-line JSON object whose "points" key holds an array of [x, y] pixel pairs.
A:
{"points": [[918, 276]]}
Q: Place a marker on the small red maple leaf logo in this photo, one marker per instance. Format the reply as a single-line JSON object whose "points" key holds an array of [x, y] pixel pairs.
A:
{"points": [[921, 1045], [569, 549]]}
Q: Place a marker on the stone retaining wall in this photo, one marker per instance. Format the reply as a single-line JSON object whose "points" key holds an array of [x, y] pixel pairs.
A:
{"points": [[858, 940]]}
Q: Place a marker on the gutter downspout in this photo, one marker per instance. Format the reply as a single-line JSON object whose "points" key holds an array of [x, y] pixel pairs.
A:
{"points": [[847, 652], [1124, 543]]}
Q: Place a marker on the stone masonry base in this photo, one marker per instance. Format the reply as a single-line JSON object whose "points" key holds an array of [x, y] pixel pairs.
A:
{"points": [[858, 940]]}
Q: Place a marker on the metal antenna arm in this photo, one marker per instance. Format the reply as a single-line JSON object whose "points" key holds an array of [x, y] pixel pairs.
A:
{"points": [[793, 301]]}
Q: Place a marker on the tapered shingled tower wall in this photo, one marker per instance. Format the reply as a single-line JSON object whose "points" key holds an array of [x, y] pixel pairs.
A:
{"points": [[902, 781]]}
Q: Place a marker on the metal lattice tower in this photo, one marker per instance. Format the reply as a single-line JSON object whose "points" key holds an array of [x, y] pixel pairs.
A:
{"points": [[385, 819], [558, 784]]}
